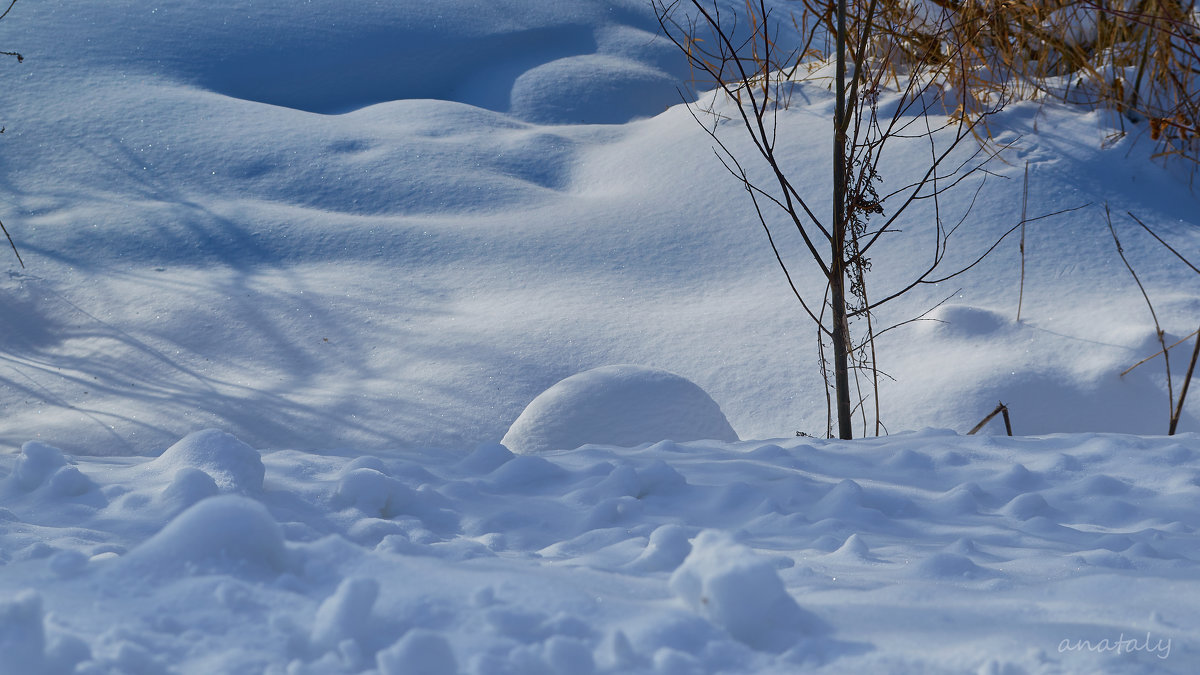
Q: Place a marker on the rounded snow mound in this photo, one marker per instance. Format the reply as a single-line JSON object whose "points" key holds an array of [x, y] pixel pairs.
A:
{"points": [[740, 591], [592, 89], [226, 533], [623, 405], [233, 465]]}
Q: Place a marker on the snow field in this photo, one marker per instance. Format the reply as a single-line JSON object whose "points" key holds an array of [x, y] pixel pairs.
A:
{"points": [[925, 552], [362, 237], [209, 247]]}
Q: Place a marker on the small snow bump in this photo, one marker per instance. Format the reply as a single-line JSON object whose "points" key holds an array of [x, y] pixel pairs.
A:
{"points": [[36, 463], [769, 453], [22, 634], [484, 459], [228, 533], [525, 473], [1176, 454], [234, 465], [741, 592], [69, 481], [962, 499], [67, 564], [1030, 505], [568, 656], [1102, 484], [36, 551], [944, 565], [843, 499], [667, 549], [1019, 478], [659, 478], [188, 486], [963, 547], [854, 547], [365, 462], [345, 615], [827, 543], [617, 654], [1144, 550], [373, 493], [668, 661], [419, 652], [908, 460]]}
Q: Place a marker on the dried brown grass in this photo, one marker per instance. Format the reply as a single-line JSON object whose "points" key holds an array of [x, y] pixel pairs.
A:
{"points": [[1139, 59]]}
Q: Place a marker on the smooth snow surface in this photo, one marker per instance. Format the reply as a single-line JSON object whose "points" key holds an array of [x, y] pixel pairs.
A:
{"points": [[617, 405], [355, 224], [294, 268]]}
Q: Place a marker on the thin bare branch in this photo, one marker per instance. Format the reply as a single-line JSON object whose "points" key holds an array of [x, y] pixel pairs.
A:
{"points": [[1160, 240], [1154, 315]]}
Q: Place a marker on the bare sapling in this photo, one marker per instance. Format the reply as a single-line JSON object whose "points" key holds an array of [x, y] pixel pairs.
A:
{"points": [[890, 95]]}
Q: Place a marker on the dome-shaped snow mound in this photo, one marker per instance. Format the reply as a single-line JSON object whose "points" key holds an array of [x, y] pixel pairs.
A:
{"points": [[618, 405], [232, 464]]}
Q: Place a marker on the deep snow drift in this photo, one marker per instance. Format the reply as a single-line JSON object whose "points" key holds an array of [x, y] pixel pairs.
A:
{"points": [[295, 268]]}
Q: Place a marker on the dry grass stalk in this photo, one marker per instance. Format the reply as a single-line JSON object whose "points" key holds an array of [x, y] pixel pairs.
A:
{"points": [[1178, 342], [1174, 406], [1187, 380], [1001, 409], [1139, 58]]}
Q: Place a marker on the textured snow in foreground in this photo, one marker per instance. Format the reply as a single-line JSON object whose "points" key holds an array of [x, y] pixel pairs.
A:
{"points": [[921, 553]]}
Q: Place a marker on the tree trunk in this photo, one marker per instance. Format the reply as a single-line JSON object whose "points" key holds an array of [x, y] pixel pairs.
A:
{"points": [[837, 271]]}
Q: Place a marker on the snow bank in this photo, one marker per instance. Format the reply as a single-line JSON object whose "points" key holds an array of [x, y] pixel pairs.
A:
{"points": [[617, 405]]}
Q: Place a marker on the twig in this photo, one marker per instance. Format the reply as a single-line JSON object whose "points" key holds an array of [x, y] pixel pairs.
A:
{"points": [[1157, 327], [1160, 240], [1024, 203], [1000, 409], [12, 244], [1187, 379], [9, 9], [1183, 339]]}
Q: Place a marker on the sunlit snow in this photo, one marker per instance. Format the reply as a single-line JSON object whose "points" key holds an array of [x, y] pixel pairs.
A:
{"points": [[296, 269]]}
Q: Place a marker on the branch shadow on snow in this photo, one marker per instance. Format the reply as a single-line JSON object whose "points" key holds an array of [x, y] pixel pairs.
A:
{"points": [[213, 324], [104, 388]]}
